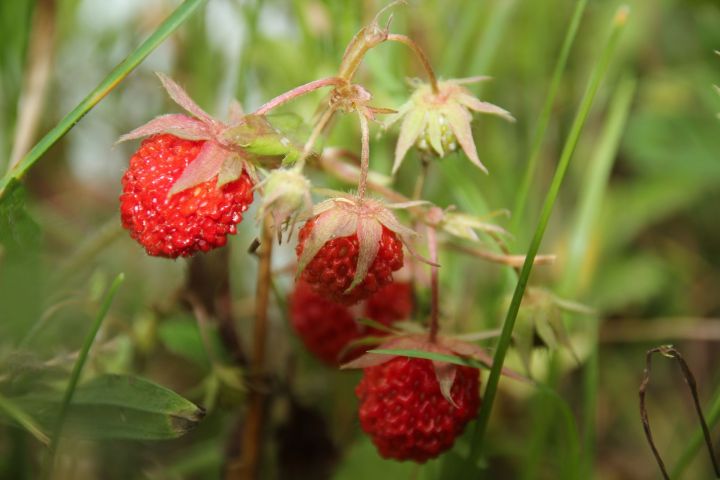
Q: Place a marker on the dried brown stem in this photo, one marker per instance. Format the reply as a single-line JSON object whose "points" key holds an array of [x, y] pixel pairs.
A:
{"points": [[669, 351], [35, 81]]}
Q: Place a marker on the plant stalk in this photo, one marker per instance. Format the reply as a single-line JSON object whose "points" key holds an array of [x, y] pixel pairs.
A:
{"points": [[619, 21], [252, 435], [405, 40], [77, 370]]}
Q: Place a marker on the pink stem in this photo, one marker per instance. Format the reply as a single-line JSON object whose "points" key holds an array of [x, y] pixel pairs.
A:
{"points": [[297, 92], [405, 40], [435, 296], [364, 155]]}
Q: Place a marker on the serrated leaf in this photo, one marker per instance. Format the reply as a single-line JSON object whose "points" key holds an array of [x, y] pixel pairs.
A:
{"points": [[119, 407]]}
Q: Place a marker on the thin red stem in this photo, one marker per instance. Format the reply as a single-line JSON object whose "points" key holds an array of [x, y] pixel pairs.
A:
{"points": [[298, 92], [364, 155], [434, 287], [409, 42]]}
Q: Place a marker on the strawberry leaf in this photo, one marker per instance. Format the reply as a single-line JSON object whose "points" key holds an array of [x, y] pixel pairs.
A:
{"points": [[412, 125], [445, 374], [434, 356], [369, 232], [205, 167], [175, 124], [180, 96], [459, 120], [329, 225]]}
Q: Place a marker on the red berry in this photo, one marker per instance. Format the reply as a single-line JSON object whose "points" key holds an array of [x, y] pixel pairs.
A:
{"points": [[196, 219], [406, 415], [332, 269], [326, 327], [392, 302]]}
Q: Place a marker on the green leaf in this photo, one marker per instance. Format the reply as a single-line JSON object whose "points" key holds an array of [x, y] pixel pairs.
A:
{"points": [[117, 406], [21, 275], [260, 137], [439, 357], [18, 231], [182, 337]]}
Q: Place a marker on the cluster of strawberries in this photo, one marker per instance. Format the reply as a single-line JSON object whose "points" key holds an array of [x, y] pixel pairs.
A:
{"points": [[193, 177]]}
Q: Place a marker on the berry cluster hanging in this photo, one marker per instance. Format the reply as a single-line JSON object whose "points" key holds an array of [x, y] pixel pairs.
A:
{"points": [[193, 177]]}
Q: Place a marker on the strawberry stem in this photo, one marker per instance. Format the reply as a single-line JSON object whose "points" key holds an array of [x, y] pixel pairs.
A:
{"points": [[434, 288], [409, 42], [257, 397], [317, 130], [364, 155], [298, 92]]}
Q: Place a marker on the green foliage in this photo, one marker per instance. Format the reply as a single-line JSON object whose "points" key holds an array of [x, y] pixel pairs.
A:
{"points": [[634, 229], [116, 406]]}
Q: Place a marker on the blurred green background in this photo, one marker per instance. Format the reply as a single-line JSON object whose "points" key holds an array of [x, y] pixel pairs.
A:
{"points": [[639, 242]]}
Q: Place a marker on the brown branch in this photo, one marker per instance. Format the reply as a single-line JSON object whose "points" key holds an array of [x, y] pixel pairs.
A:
{"points": [[669, 351], [248, 467]]}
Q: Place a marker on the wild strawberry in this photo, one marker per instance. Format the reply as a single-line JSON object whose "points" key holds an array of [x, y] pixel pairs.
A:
{"points": [[438, 120], [195, 219], [326, 327], [405, 413], [390, 303], [350, 248], [187, 185]]}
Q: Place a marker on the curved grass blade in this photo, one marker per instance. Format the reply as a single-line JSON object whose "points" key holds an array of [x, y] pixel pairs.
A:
{"points": [[175, 19], [77, 369], [16, 414], [619, 21], [544, 120]]}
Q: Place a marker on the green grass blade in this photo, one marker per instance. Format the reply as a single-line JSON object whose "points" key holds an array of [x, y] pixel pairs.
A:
{"points": [[596, 77], [175, 19], [521, 200], [77, 368], [23, 419]]}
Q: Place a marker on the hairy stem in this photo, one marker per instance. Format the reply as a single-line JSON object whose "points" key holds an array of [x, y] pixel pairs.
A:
{"points": [[364, 155], [317, 130], [409, 42], [297, 92], [434, 292]]}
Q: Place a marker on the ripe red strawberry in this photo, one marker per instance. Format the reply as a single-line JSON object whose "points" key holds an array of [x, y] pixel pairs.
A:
{"points": [[392, 302], [326, 327], [333, 268], [405, 413], [195, 219]]}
